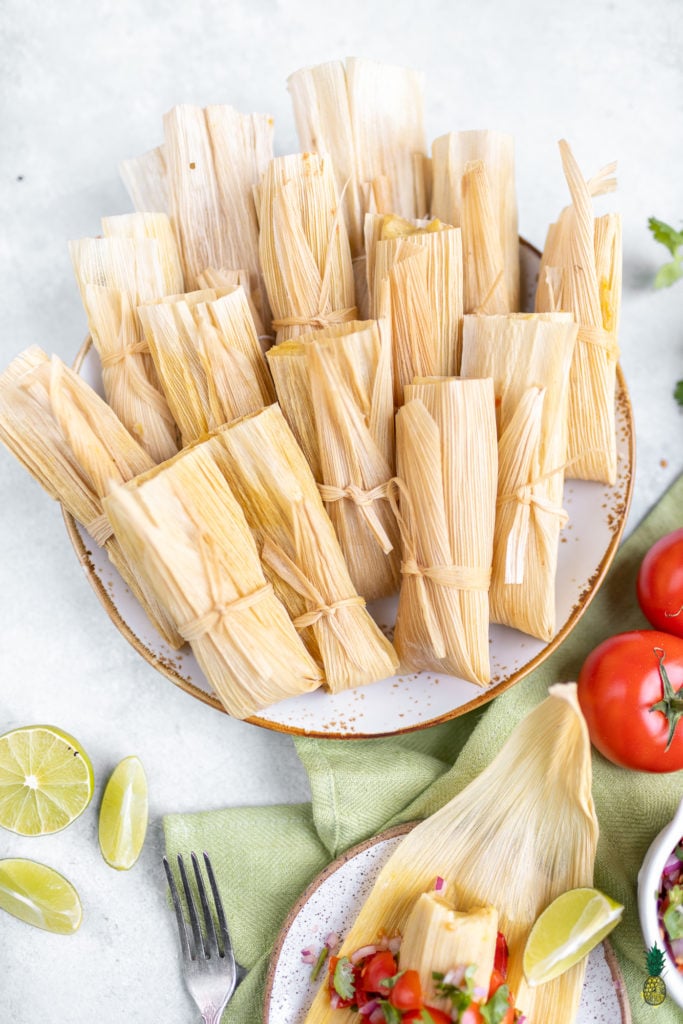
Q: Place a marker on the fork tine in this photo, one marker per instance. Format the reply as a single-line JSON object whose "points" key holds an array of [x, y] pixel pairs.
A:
{"points": [[225, 934], [182, 931], [210, 938], [192, 910]]}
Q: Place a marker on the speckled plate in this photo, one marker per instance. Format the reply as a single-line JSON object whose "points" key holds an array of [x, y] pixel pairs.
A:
{"points": [[411, 701], [331, 904]]}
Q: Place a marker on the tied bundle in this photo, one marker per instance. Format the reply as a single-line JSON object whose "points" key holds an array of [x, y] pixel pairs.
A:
{"points": [[415, 280], [529, 358], [208, 357], [447, 465], [72, 443], [304, 246], [474, 188], [186, 533], [136, 262], [581, 274], [273, 483], [520, 834], [334, 387]]}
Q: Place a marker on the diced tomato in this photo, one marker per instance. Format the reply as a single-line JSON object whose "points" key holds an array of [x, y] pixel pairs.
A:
{"points": [[406, 994], [500, 962], [435, 1016], [472, 1015], [497, 979], [377, 969]]}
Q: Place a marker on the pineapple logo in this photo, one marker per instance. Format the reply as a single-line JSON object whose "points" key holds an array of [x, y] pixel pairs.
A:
{"points": [[654, 989]]}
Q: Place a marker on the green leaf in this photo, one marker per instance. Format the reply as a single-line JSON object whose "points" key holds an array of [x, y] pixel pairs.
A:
{"points": [[665, 234], [669, 274], [343, 980], [317, 967], [673, 915], [391, 1014], [494, 1011], [678, 395]]}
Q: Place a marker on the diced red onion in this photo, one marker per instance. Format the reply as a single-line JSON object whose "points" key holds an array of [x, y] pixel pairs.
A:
{"points": [[677, 948], [368, 1008], [377, 1016], [308, 956], [334, 1000], [394, 944], [332, 941], [455, 976], [438, 885], [479, 992], [361, 953]]}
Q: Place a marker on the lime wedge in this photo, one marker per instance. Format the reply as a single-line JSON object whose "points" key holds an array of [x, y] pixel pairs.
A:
{"points": [[566, 932], [123, 814], [46, 780], [39, 896]]}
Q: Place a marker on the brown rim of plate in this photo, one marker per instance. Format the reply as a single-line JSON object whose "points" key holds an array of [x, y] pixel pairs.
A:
{"points": [[485, 697], [400, 830]]}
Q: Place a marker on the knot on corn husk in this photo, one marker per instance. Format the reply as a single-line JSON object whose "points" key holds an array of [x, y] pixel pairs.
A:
{"points": [[365, 500], [317, 321], [111, 358], [196, 628], [462, 577], [288, 571], [598, 336], [100, 530]]}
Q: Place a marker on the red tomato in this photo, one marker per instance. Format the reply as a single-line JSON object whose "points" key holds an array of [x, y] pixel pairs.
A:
{"points": [[378, 968], [435, 1016], [407, 992], [472, 1015], [620, 683], [660, 584], [500, 962], [497, 979]]}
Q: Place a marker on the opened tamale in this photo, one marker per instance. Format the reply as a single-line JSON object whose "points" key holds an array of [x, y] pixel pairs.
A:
{"points": [[208, 358], [183, 529], [528, 356], [570, 272], [115, 275], [300, 552], [334, 387], [72, 443], [446, 454], [451, 154], [520, 834], [304, 246]]}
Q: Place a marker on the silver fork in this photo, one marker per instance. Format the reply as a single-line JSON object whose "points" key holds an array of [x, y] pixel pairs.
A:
{"points": [[209, 967]]}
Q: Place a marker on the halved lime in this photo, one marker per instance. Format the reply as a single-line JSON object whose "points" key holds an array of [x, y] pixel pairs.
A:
{"points": [[123, 814], [39, 896], [566, 932], [46, 780]]}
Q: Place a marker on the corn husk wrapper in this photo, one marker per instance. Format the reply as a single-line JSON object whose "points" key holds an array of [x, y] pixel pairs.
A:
{"points": [[299, 549], [72, 443], [208, 359], [415, 277], [334, 387], [304, 246], [570, 273], [150, 225], [145, 180], [215, 156], [528, 356], [447, 469], [183, 528], [369, 118], [484, 280], [223, 279], [115, 275], [523, 832], [450, 155]]}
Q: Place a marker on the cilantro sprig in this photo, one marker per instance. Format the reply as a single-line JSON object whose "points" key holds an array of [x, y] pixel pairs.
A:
{"points": [[670, 272]]}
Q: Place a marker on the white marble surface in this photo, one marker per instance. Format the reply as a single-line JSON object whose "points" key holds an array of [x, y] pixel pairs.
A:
{"points": [[85, 84]]}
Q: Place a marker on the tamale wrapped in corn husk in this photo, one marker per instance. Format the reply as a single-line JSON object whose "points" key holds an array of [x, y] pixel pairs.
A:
{"points": [[300, 552], [304, 246], [520, 834], [422, 292], [223, 279], [72, 443], [450, 155], [150, 225], [570, 272], [115, 275], [369, 118], [208, 359], [528, 356], [334, 387], [184, 530], [484, 280], [446, 454], [145, 180], [215, 156]]}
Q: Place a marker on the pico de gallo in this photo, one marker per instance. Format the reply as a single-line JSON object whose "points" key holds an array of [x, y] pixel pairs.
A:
{"points": [[670, 906], [371, 983]]}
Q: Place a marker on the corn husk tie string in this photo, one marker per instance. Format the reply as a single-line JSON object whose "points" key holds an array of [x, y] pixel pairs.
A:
{"points": [[365, 500], [288, 571]]}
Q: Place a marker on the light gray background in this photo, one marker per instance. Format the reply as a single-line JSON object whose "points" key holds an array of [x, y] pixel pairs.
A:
{"points": [[85, 84]]}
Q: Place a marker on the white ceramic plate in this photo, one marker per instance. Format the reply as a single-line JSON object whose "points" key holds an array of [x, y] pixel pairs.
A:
{"points": [[331, 904], [410, 701]]}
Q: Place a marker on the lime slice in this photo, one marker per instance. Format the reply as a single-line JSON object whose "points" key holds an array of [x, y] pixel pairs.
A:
{"points": [[39, 896], [123, 814], [46, 780], [566, 932]]}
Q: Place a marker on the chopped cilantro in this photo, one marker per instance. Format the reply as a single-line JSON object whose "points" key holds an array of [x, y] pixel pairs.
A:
{"points": [[494, 1011], [391, 1014], [322, 957], [672, 239], [460, 995], [344, 981], [390, 982], [678, 395]]}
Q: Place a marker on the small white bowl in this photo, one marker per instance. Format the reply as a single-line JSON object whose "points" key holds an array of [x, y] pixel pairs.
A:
{"points": [[649, 879]]}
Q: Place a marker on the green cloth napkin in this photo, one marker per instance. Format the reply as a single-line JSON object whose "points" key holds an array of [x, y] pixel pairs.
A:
{"points": [[265, 856]]}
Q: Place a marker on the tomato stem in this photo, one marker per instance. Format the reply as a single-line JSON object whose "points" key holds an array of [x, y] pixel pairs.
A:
{"points": [[671, 704]]}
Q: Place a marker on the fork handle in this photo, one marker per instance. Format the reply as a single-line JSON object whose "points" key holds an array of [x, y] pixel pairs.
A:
{"points": [[212, 1014]]}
